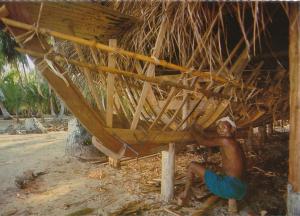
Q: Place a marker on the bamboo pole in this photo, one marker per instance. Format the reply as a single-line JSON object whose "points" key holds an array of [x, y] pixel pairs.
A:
{"points": [[98, 68], [103, 47]]}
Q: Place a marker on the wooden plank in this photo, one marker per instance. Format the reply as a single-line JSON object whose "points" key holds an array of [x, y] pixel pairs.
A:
{"points": [[139, 137], [167, 173], [293, 198], [110, 86]]}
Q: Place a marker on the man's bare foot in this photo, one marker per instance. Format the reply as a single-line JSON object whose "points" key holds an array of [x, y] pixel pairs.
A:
{"points": [[183, 199]]}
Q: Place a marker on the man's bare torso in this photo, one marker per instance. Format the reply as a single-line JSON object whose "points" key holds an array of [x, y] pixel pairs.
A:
{"points": [[233, 159]]}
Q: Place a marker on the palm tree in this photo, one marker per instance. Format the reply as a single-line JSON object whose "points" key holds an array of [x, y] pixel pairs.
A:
{"points": [[8, 55]]}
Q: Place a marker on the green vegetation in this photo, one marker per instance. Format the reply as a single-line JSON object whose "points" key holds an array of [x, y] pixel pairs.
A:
{"points": [[25, 93]]}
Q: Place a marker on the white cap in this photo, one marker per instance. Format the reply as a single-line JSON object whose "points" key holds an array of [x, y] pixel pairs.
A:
{"points": [[227, 119]]}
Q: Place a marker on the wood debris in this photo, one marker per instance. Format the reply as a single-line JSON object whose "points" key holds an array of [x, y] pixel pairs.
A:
{"points": [[27, 178]]}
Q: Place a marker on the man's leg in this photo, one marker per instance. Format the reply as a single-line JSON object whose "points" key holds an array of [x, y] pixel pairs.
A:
{"points": [[194, 169]]}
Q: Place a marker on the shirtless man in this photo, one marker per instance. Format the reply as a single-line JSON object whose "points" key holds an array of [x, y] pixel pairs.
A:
{"points": [[231, 184]]}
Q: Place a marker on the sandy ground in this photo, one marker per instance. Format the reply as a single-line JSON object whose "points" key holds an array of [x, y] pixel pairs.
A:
{"points": [[70, 185]]}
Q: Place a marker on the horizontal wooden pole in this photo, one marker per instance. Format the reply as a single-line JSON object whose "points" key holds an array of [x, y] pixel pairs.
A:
{"points": [[120, 51], [98, 68]]}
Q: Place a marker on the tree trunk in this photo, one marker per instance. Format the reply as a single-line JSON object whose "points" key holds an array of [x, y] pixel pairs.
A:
{"points": [[51, 103], [62, 109], [4, 111]]}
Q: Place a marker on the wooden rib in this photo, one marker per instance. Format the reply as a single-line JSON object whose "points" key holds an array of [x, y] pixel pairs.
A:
{"points": [[210, 108], [185, 98], [185, 108], [106, 48], [216, 114], [151, 100], [150, 72], [122, 107], [172, 93], [240, 64], [188, 114], [176, 112], [87, 74], [110, 86], [251, 119]]}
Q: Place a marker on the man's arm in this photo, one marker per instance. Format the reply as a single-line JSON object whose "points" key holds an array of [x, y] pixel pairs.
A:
{"points": [[204, 141]]}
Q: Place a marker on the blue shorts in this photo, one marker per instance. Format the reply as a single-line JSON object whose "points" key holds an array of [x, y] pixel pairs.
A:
{"points": [[227, 187]]}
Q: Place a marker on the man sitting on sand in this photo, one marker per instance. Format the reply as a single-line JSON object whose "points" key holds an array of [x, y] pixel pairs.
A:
{"points": [[231, 184]]}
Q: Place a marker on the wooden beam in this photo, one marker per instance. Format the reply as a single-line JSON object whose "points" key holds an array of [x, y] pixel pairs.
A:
{"points": [[110, 86], [167, 173], [293, 198], [137, 56]]}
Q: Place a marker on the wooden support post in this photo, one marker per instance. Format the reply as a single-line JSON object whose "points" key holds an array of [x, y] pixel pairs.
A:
{"points": [[110, 90], [293, 196], [167, 173]]}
